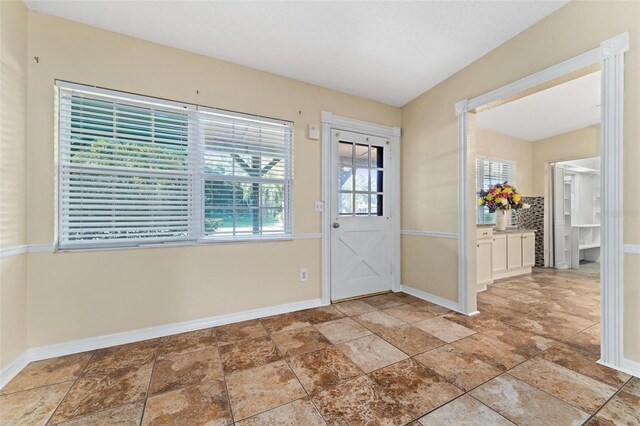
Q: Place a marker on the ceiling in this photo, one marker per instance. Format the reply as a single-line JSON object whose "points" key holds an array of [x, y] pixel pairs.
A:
{"points": [[387, 51], [569, 106]]}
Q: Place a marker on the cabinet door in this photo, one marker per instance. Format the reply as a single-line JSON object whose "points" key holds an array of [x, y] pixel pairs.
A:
{"points": [[483, 261], [499, 254], [528, 250], [514, 251]]}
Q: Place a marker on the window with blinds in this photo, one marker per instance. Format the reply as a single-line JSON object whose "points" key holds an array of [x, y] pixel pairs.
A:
{"points": [[134, 170], [490, 172]]}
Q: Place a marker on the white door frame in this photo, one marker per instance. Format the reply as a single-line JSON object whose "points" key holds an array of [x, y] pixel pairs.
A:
{"points": [[610, 56], [332, 122]]}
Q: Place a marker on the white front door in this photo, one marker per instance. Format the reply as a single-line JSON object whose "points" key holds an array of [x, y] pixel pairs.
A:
{"points": [[361, 239]]}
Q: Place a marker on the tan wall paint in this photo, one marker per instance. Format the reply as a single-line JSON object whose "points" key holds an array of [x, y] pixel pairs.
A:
{"points": [[631, 303], [504, 147], [579, 143], [13, 178], [426, 263], [429, 123], [78, 295]]}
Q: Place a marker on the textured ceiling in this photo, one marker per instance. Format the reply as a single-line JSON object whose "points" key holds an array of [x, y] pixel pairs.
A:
{"points": [[385, 51], [570, 106]]}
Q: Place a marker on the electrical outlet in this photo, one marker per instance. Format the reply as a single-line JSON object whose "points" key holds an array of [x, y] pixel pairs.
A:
{"points": [[304, 274]]}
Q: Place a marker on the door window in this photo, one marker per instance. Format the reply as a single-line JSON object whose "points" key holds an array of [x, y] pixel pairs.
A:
{"points": [[360, 179]]}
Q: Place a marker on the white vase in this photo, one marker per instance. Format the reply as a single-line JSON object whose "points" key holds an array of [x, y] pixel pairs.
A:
{"points": [[502, 219]]}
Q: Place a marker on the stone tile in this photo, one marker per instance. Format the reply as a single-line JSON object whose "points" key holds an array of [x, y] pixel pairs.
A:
{"points": [[248, 354], [300, 412], [415, 387], [371, 353], [479, 322], [490, 350], [322, 369], [585, 363], [284, 322], [96, 392], [262, 388], [525, 405], [342, 330], [121, 356], [382, 301], [527, 344], [623, 409], [409, 339], [460, 368], [633, 386], [575, 388], [543, 328], [587, 340], [432, 308], [354, 307], [443, 329], [178, 344], [378, 320], [33, 406], [185, 370], [464, 411], [408, 313], [300, 340], [237, 332], [206, 403], [48, 372], [360, 402], [124, 415], [321, 314]]}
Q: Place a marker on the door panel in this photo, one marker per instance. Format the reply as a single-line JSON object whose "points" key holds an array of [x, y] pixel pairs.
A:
{"points": [[499, 254], [361, 227], [514, 251]]}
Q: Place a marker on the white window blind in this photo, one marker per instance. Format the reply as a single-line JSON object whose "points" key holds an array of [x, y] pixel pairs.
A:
{"points": [[490, 172], [247, 174], [135, 170]]}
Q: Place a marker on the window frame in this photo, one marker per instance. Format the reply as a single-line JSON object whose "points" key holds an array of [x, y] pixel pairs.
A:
{"points": [[196, 175], [511, 178]]}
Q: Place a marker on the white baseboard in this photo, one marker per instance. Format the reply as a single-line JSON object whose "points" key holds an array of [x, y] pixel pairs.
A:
{"points": [[628, 366], [99, 342], [12, 369], [431, 298]]}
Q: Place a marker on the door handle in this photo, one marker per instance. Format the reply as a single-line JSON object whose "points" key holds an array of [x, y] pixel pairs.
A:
{"points": [[336, 225]]}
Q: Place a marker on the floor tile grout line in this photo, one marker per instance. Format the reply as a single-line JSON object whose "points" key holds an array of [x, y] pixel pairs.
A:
{"points": [[607, 401], [70, 387], [495, 411], [146, 396]]}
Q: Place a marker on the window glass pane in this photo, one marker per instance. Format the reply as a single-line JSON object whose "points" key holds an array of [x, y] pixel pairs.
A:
{"points": [[362, 204], [272, 195], [345, 153], [361, 155], [248, 221], [345, 179], [376, 205], [218, 221], [376, 180], [362, 179], [377, 157], [272, 220], [345, 203]]}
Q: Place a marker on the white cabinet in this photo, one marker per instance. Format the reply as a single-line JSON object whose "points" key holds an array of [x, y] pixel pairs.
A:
{"points": [[499, 251], [483, 263], [528, 249], [514, 251]]}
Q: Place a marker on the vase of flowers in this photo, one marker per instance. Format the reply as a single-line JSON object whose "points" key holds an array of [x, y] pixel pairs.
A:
{"points": [[501, 199]]}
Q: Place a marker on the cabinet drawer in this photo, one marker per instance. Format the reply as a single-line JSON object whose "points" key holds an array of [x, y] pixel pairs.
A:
{"points": [[486, 232]]}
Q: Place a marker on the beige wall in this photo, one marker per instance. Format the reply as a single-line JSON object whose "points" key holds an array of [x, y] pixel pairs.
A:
{"points": [[567, 146], [13, 178], [429, 124], [504, 147], [78, 295]]}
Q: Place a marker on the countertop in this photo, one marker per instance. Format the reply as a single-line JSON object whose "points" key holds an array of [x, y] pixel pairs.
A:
{"points": [[508, 230]]}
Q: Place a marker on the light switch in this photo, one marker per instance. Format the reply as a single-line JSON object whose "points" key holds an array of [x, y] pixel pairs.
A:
{"points": [[319, 206]]}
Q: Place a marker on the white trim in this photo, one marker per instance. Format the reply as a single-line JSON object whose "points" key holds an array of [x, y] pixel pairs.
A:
{"points": [[41, 248], [449, 304], [432, 234], [12, 251], [330, 122], [610, 56], [628, 366], [12, 369], [632, 248], [105, 341]]}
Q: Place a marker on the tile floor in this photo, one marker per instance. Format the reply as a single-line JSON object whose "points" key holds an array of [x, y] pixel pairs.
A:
{"points": [[529, 358]]}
